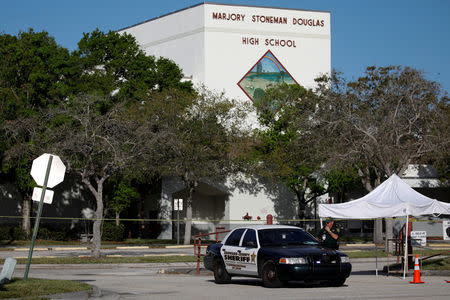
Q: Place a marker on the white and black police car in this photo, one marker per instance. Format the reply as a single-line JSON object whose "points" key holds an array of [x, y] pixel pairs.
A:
{"points": [[276, 254]]}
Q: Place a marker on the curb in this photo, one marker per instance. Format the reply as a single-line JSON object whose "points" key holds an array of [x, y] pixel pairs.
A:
{"points": [[206, 272], [179, 247], [94, 291], [410, 272], [185, 271]]}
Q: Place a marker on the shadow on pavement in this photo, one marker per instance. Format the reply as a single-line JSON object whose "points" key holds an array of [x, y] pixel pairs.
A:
{"points": [[288, 285]]}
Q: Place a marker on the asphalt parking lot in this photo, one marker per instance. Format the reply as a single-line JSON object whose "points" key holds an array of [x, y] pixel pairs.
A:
{"points": [[162, 281], [180, 281]]}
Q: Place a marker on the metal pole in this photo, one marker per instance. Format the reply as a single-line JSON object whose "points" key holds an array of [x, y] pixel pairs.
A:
{"points": [[178, 227], [405, 263], [36, 223], [376, 259], [199, 252]]}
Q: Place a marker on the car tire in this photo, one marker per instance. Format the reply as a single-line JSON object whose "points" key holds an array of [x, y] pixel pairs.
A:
{"points": [[221, 275], [337, 282], [269, 275]]}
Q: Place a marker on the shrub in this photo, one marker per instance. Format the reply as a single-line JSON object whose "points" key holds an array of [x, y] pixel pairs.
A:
{"points": [[5, 233], [18, 233], [72, 234], [44, 234], [112, 232], [58, 235]]}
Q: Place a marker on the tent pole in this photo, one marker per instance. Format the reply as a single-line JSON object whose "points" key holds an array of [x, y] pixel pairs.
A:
{"points": [[376, 259], [405, 262]]}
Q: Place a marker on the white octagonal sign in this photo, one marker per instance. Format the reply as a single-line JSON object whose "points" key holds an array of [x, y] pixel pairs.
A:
{"points": [[39, 168]]}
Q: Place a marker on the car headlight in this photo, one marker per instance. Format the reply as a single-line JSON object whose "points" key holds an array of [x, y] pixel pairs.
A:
{"points": [[345, 259], [293, 260]]}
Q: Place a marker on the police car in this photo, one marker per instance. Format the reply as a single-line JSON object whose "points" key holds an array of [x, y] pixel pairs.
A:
{"points": [[276, 254]]}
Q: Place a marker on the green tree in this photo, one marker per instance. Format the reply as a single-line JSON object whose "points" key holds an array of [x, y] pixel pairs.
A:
{"points": [[203, 142], [35, 73], [95, 146], [340, 181], [123, 195], [382, 122], [289, 150], [441, 158], [113, 64]]}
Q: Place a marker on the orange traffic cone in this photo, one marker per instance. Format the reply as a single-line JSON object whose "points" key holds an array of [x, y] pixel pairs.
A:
{"points": [[416, 272]]}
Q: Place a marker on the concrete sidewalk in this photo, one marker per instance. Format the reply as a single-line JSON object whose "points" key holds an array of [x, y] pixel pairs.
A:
{"points": [[71, 248]]}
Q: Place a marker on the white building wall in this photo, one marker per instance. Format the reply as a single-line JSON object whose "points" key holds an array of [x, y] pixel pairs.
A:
{"points": [[259, 198], [213, 50], [228, 58], [218, 45], [178, 36], [421, 176]]}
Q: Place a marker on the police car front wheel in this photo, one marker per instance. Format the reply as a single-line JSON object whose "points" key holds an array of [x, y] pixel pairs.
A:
{"points": [[337, 282], [270, 275], [220, 273]]}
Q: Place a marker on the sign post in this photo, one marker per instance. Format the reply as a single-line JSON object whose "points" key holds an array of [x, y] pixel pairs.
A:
{"points": [[419, 238], [446, 230], [53, 175], [178, 205]]}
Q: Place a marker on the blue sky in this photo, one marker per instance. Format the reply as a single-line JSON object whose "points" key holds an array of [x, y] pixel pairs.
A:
{"points": [[412, 33]]}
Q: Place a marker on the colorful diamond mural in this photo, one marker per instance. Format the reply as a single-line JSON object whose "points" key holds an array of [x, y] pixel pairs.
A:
{"points": [[266, 73]]}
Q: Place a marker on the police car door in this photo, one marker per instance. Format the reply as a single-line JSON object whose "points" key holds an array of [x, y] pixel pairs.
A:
{"points": [[249, 251], [240, 259], [229, 251]]}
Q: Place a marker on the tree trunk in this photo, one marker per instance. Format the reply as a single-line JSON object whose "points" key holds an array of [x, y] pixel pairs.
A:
{"points": [[188, 223], [316, 223], [26, 212], [301, 208], [97, 226], [300, 192], [117, 218], [389, 234], [97, 232], [378, 231], [364, 174], [378, 223]]}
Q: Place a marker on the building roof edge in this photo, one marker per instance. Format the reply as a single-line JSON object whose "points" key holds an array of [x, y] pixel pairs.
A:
{"points": [[216, 3]]}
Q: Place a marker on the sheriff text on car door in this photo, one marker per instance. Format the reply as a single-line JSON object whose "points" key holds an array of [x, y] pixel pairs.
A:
{"points": [[240, 252]]}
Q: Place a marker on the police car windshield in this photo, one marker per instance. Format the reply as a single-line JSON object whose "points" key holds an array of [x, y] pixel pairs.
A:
{"points": [[285, 236]]}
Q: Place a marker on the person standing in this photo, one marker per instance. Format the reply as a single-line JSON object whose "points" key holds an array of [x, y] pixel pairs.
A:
{"points": [[329, 235]]}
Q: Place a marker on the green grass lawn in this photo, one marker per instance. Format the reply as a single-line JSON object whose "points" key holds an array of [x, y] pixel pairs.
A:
{"points": [[436, 264], [382, 253], [107, 260], [34, 288], [429, 264]]}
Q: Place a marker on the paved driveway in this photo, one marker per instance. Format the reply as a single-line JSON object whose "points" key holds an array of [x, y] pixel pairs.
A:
{"points": [[145, 281]]}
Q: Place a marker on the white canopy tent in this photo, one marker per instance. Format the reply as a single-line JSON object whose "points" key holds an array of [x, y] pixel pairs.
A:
{"points": [[392, 198]]}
